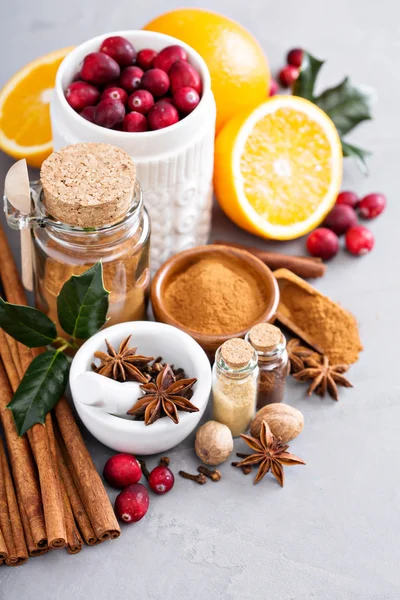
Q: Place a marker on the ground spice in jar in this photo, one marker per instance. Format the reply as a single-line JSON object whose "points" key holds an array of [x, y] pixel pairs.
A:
{"points": [[235, 385], [273, 362], [215, 295], [327, 323]]}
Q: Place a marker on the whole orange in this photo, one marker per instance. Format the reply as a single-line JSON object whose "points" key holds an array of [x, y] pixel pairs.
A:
{"points": [[239, 70]]}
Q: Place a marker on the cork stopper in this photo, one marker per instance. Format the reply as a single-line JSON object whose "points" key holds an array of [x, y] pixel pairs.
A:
{"points": [[236, 353], [88, 185], [264, 337]]}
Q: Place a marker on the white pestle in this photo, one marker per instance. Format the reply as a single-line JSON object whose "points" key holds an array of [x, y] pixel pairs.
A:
{"points": [[110, 396]]}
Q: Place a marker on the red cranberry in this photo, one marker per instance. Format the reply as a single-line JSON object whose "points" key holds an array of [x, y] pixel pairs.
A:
{"points": [[156, 82], [163, 114], [295, 57], [323, 243], [130, 79], [120, 49], [183, 74], [98, 67], [273, 88], [168, 56], [141, 101], [340, 219], [145, 58], [349, 198], [132, 503], [359, 240], [121, 470], [115, 93], [186, 99], [288, 75], [372, 205], [88, 113], [161, 480], [134, 122], [80, 94], [109, 113]]}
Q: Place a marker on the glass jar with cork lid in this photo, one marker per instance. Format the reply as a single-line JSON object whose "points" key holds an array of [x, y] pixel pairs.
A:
{"points": [[273, 362], [235, 385], [88, 207]]}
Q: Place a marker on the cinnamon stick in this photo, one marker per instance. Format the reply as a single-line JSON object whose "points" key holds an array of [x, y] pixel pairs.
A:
{"points": [[10, 520], [33, 549], [74, 540], [77, 506], [87, 480], [3, 548], [22, 463], [307, 267]]}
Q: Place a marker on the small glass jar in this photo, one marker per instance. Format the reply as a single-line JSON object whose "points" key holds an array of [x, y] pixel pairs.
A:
{"points": [[235, 385], [273, 362], [61, 250]]}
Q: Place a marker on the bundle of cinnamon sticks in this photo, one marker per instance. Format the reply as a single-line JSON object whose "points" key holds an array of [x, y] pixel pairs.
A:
{"points": [[52, 497]]}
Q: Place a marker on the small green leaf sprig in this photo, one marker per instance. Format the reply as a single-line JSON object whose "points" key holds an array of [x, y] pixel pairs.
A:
{"points": [[82, 307], [346, 104]]}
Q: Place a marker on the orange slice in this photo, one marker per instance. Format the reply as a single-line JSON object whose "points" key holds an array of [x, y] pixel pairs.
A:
{"points": [[278, 168], [25, 130]]}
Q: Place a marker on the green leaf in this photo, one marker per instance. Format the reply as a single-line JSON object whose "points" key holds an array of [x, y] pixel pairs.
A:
{"points": [[27, 325], [82, 304], [358, 153], [346, 104], [40, 389], [305, 83]]}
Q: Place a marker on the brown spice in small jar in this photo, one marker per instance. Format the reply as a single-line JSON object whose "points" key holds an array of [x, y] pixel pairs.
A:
{"points": [[216, 296]]}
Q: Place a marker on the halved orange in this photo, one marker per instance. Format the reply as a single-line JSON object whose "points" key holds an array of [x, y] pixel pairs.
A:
{"points": [[25, 130], [278, 168]]}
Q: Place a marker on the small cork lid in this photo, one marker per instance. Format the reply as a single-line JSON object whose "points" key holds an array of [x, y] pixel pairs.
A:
{"points": [[237, 353], [265, 337], [88, 185]]}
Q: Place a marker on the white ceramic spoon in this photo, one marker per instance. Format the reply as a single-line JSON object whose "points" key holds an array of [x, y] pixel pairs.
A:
{"points": [[17, 190], [112, 397]]}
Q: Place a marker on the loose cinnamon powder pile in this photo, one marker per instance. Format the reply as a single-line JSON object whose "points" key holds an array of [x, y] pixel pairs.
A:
{"points": [[215, 296], [327, 323]]}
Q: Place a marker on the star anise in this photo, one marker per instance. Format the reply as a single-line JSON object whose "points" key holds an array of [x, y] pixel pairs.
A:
{"points": [[122, 365], [324, 377], [297, 353], [269, 453], [164, 398]]}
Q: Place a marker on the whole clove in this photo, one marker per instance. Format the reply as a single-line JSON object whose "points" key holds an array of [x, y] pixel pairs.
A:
{"points": [[164, 461], [246, 469], [200, 478], [145, 470], [214, 475]]}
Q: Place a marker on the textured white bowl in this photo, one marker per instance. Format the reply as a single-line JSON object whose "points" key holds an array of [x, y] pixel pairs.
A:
{"points": [[174, 165], [152, 339]]}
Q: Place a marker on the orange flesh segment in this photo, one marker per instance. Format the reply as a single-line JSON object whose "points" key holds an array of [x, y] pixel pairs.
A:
{"points": [[284, 178]]}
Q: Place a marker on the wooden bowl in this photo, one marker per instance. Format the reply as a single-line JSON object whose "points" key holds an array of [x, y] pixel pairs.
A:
{"points": [[182, 261]]}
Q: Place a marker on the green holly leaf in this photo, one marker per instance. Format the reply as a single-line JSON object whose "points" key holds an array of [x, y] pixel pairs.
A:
{"points": [[27, 325], [82, 304], [358, 153], [305, 83], [40, 389], [346, 104]]}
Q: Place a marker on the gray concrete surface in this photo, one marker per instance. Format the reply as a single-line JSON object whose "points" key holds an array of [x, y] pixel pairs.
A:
{"points": [[332, 533]]}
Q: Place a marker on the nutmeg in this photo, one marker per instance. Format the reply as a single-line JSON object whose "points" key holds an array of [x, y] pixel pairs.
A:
{"points": [[214, 443], [284, 421]]}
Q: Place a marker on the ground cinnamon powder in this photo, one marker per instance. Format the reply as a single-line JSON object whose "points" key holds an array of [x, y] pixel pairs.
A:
{"points": [[215, 295], [327, 323]]}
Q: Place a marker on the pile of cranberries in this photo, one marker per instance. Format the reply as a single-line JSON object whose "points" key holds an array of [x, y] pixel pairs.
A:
{"points": [[288, 75], [124, 471], [343, 220], [120, 89]]}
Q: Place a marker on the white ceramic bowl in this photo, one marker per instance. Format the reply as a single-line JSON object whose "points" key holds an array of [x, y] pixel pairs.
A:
{"points": [[152, 339], [174, 165]]}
